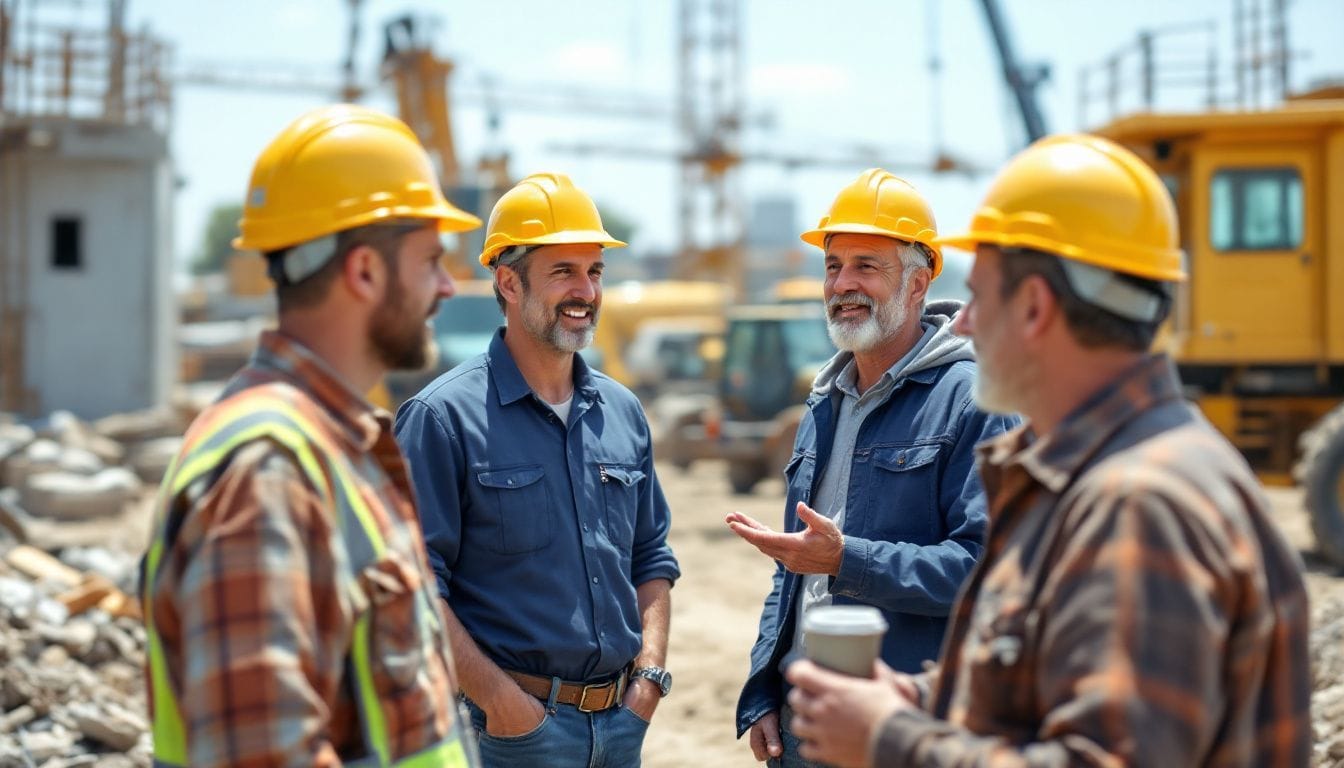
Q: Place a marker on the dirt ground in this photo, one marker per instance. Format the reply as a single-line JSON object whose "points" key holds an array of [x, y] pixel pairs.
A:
{"points": [[716, 604]]}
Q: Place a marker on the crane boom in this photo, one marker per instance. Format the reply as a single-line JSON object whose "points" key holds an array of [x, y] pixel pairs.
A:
{"points": [[1022, 79]]}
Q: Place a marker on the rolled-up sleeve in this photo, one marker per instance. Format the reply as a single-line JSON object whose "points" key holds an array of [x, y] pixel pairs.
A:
{"points": [[652, 556]]}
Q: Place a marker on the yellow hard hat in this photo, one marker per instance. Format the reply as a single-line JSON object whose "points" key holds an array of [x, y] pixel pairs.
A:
{"points": [[1083, 198], [339, 167], [544, 209], [880, 203]]}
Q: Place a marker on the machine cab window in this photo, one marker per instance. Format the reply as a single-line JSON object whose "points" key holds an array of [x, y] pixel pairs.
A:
{"points": [[1255, 209]]}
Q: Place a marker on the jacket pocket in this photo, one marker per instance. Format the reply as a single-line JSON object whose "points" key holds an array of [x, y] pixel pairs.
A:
{"points": [[902, 495], [620, 496], [517, 509]]}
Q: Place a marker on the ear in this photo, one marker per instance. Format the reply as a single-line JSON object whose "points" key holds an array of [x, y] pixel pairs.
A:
{"points": [[364, 273], [510, 284], [919, 285], [1036, 306]]}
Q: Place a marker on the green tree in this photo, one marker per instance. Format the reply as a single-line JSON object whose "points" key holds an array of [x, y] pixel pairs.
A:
{"points": [[215, 247]]}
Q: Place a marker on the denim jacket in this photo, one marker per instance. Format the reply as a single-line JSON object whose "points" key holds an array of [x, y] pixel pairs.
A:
{"points": [[914, 520]]}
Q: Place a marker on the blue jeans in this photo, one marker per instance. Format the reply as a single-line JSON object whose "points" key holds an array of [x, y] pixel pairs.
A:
{"points": [[790, 758], [566, 738]]}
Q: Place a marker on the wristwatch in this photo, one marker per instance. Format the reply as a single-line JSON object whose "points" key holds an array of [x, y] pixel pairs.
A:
{"points": [[657, 675]]}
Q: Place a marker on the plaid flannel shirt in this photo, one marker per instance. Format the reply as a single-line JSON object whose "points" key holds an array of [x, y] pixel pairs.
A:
{"points": [[255, 607], [1134, 606]]}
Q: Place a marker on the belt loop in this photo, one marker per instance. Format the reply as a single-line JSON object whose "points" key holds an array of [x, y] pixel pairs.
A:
{"points": [[555, 691]]}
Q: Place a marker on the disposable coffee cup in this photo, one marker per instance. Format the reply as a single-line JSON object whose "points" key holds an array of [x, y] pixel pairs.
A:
{"points": [[845, 638]]}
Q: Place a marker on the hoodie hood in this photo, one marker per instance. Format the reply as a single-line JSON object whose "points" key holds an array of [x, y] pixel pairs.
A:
{"points": [[942, 348]]}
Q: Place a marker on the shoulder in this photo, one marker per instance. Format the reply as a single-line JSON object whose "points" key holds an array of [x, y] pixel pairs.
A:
{"points": [[466, 383], [616, 396]]}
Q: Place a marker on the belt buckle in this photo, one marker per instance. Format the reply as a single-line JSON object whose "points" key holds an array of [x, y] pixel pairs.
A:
{"points": [[583, 697]]}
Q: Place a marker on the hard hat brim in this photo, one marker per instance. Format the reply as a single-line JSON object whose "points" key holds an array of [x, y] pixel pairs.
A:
{"points": [[1165, 266], [567, 237]]}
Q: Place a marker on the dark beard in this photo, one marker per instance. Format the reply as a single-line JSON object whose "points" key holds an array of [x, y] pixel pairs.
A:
{"points": [[397, 339]]}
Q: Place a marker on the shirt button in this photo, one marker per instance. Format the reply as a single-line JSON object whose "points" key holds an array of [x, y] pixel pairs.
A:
{"points": [[509, 481], [594, 579], [585, 526]]}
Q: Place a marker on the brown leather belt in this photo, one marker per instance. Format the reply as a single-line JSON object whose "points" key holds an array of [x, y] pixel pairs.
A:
{"points": [[593, 697]]}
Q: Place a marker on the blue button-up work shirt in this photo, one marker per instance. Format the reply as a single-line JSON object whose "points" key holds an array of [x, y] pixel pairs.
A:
{"points": [[538, 532]]}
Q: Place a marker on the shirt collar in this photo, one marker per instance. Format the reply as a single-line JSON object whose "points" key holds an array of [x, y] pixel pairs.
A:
{"points": [[1055, 458], [361, 422], [510, 386]]}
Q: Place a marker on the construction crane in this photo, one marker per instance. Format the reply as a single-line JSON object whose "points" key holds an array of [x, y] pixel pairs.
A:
{"points": [[1022, 79]]}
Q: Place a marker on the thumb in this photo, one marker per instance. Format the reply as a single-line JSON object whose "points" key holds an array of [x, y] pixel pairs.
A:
{"points": [[809, 517]]}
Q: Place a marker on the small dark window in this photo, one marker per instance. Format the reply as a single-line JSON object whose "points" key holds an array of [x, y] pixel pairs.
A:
{"points": [[66, 243], [1256, 209]]}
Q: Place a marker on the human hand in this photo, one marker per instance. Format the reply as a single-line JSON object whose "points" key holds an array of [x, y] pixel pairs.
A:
{"points": [[641, 698], [513, 713], [764, 737], [836, 715], [817, 549]]}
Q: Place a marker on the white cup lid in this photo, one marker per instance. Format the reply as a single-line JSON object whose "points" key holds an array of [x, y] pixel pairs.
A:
{"points": [[844, 620]]}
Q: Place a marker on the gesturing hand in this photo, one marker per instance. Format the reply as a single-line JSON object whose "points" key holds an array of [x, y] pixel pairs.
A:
{"points": [[818, 548]]}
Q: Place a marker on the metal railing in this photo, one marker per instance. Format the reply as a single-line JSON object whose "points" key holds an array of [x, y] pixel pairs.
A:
{"points": [[83, 74]]}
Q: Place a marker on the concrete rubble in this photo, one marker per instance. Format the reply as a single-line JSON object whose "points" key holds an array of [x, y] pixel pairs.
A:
{"points": [[75, 506]]}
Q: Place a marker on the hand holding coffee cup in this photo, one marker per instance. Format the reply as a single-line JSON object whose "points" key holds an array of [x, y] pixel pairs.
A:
{"points": [[845, 638]]}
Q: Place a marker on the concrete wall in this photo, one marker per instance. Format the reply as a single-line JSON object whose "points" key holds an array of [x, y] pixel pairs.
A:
{"points": [[98, 339]]}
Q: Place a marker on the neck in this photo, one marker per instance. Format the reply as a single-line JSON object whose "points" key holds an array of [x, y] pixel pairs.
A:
{"points": [[548, 371], [872, 363], [340, 344], [1067, 381]]}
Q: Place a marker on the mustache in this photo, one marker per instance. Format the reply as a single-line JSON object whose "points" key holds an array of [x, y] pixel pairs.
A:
{"points": [[853, 297], [576, 304]]}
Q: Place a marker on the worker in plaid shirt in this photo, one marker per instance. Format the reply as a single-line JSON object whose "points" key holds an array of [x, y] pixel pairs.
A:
{"points": [[289, 606], [1134, 604]]}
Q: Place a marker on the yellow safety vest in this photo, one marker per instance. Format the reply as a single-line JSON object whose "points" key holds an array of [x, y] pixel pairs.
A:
{"points": [[262, 413]]}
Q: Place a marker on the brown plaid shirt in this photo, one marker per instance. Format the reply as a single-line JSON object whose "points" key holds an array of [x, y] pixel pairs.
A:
{"points": [[1134, 605], [256, 607]]}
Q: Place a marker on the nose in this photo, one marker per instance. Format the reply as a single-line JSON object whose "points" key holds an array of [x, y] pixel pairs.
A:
{"points": [[961, 324], [585, 288], [846, 280], [446, 287]]}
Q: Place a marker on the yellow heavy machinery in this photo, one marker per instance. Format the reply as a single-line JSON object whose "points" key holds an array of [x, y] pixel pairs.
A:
{"points": [[628, 307], [1258, 331]]}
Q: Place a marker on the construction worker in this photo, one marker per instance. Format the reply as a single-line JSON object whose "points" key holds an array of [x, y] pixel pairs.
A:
{"points": [[546, 525], [1135, 604], [883, 507], [288, 604]]}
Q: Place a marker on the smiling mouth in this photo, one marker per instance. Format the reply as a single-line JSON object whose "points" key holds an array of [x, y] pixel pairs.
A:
{"points": [[844, 311], [576, 313]]}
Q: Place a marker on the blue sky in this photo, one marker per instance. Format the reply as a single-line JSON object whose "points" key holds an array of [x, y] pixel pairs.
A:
{"points": [[835, 75]]}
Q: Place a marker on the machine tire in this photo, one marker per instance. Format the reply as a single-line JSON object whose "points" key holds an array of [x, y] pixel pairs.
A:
{"points": [[743, 475], [1321, 474]]}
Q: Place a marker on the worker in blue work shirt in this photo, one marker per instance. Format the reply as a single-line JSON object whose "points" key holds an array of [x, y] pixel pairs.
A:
{"points": [[884, 507], [545, 523]]}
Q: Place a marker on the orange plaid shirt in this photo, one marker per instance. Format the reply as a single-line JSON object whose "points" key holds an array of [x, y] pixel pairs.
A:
{"points": [[1134, 606], [256, 603]]}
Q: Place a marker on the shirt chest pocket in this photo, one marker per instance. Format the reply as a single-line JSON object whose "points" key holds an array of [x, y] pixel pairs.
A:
{"points": [[1002, 666], [620, 497], [403, 630], [902, 495], [516, 509]]}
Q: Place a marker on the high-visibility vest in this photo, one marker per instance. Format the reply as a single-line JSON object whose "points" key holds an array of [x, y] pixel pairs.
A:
{"points": [[264, 413]]}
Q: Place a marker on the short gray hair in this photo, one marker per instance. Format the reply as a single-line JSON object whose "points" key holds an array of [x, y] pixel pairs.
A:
{"points": [[514, 257]]}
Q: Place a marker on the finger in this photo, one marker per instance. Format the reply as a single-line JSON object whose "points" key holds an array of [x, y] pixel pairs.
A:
{"points": [[747, 520], [812, 519], [772, 742], [801, 726], [758, 742], [773, 544], [805, 675]]}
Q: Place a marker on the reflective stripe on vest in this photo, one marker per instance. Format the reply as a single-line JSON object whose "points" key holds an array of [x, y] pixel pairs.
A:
{"points": [[262, 413]]}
